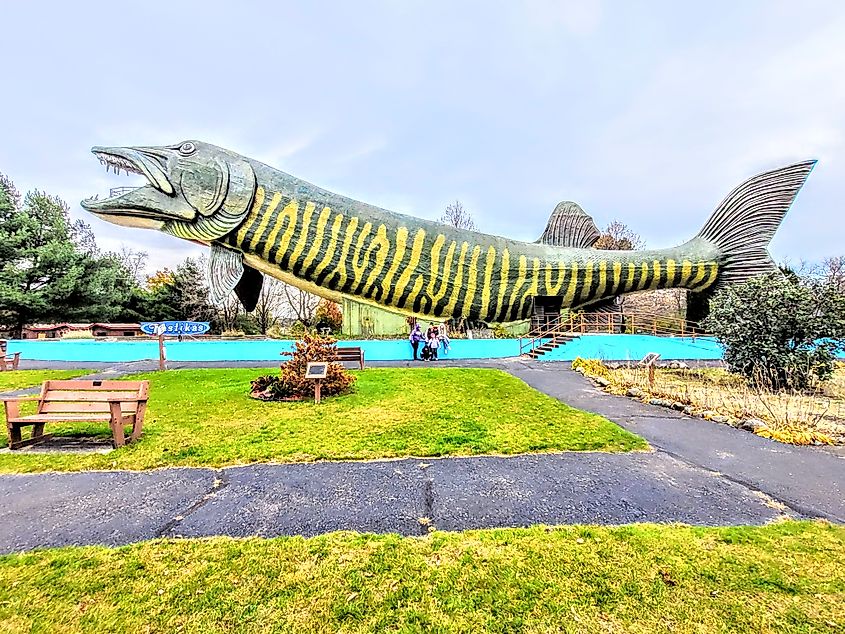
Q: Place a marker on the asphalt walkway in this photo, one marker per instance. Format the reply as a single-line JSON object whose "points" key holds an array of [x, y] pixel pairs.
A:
{"points": [[699, 473]]}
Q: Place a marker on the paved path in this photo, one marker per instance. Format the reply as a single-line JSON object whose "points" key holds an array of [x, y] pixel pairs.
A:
{"points": [[809, 480], [700, 473]]}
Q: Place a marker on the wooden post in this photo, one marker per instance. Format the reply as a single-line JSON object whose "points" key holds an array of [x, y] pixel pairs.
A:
{"points": [[162, 356], [651, 377], [317, 391]]}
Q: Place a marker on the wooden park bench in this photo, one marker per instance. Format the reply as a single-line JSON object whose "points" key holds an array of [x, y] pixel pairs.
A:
{"points": [[118, 402], [352, 354], [9, 361]]}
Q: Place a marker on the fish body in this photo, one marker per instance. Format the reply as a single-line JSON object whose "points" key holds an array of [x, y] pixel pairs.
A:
{"points": [[259, 218]]}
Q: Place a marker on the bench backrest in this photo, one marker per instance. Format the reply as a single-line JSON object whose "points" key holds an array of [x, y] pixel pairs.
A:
{"points": [[349, 352], [90, 396]]}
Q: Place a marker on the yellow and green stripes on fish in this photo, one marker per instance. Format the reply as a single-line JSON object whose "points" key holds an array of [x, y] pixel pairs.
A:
{"points": [[433, 274], [486, 288], [398, 297]]}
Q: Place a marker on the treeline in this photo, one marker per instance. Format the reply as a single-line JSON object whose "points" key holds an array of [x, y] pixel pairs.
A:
{"points": [[52, 271]]}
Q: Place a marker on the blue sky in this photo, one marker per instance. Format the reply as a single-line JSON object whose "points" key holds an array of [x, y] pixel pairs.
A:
{"points": [[645, 112]]}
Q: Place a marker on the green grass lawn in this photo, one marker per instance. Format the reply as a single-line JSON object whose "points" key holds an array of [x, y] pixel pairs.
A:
{"points": [[19, 379], [205, 417], [787, 577]]}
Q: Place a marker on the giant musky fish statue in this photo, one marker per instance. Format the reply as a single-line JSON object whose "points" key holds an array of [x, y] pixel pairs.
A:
{"points": [[257, 219]]}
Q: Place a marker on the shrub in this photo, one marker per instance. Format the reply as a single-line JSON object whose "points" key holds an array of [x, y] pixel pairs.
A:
{"points": [[232, 333], [291, 381], [270, 387], [591, 367], [297, 329], [275, 332], [328, 315], [499, 332], [778, 331]]}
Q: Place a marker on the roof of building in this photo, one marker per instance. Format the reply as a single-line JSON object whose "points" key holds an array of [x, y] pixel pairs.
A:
{"points": [[45, 327]]}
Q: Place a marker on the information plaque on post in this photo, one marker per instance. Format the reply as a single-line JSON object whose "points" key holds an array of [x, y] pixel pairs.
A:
{"points": [[317, 371]]}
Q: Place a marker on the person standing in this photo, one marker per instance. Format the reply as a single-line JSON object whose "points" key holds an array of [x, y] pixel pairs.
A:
{"points": [[415, 338], [444, 339], [433, 342]]}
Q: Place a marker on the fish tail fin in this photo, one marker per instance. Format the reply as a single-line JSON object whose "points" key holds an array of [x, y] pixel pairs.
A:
{"points": [[746, 220]]}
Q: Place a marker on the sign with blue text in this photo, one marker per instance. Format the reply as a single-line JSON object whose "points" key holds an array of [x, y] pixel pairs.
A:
{"points": [[175, 328]]}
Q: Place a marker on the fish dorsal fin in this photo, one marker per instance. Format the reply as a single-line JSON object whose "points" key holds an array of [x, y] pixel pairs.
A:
{"points": [[248, 288], [225, 268], [570, 226]]}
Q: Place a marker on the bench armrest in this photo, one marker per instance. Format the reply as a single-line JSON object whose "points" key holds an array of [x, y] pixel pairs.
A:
{"points": [[12, 406]]}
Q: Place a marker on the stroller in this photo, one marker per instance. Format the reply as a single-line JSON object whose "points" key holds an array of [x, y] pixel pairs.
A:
{"points": [[425, 353]]}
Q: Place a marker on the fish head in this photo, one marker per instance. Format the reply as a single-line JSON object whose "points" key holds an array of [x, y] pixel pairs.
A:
{"points": [[194, 190]]}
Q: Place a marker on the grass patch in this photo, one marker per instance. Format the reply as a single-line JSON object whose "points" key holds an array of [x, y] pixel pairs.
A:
{"points": [[787, 577], [20, 379], [205, 417]]}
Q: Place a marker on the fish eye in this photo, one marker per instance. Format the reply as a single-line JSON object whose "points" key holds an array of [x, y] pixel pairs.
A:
{"points": [[187, 148]]}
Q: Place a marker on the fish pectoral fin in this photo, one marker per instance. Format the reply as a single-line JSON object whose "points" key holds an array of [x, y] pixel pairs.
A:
{"points": [[570, 226], [225, 269], [248, 289]]}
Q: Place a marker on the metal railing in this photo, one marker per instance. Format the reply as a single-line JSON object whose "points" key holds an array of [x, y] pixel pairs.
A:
{"points": [[572, 325], [546, 331], [634, 323]]}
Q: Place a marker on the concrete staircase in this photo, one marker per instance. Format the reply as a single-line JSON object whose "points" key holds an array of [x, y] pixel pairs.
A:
{"points": [[555, 340]]}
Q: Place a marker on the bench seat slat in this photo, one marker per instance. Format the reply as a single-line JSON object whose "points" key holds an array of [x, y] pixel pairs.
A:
{"points": [[67, 417], [75, 406]]}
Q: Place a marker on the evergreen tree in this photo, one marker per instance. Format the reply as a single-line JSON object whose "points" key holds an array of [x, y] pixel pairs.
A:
{"points": [[190, 291], [49, 266]]}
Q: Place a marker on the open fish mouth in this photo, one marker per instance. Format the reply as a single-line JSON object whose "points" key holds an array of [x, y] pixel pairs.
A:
{"points": [[150, 163]]}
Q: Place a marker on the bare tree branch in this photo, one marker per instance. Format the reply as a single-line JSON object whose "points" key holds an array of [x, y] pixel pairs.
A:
{"points": [[456, 216], [298, 304], [135, 262], [269, 306], [619, 237]]}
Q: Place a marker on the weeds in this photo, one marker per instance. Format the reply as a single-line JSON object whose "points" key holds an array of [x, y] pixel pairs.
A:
{"points": [[815, 416]]}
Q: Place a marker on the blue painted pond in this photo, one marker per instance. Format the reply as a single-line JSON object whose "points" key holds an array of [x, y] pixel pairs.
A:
{"points": [[608, 347]]}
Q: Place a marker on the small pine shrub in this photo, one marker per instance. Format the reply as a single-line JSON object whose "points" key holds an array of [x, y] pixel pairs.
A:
{"points": [[291, 382]]}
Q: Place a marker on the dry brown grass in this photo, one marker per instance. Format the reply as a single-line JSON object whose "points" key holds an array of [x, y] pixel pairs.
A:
{"points": [[811, 417]]}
